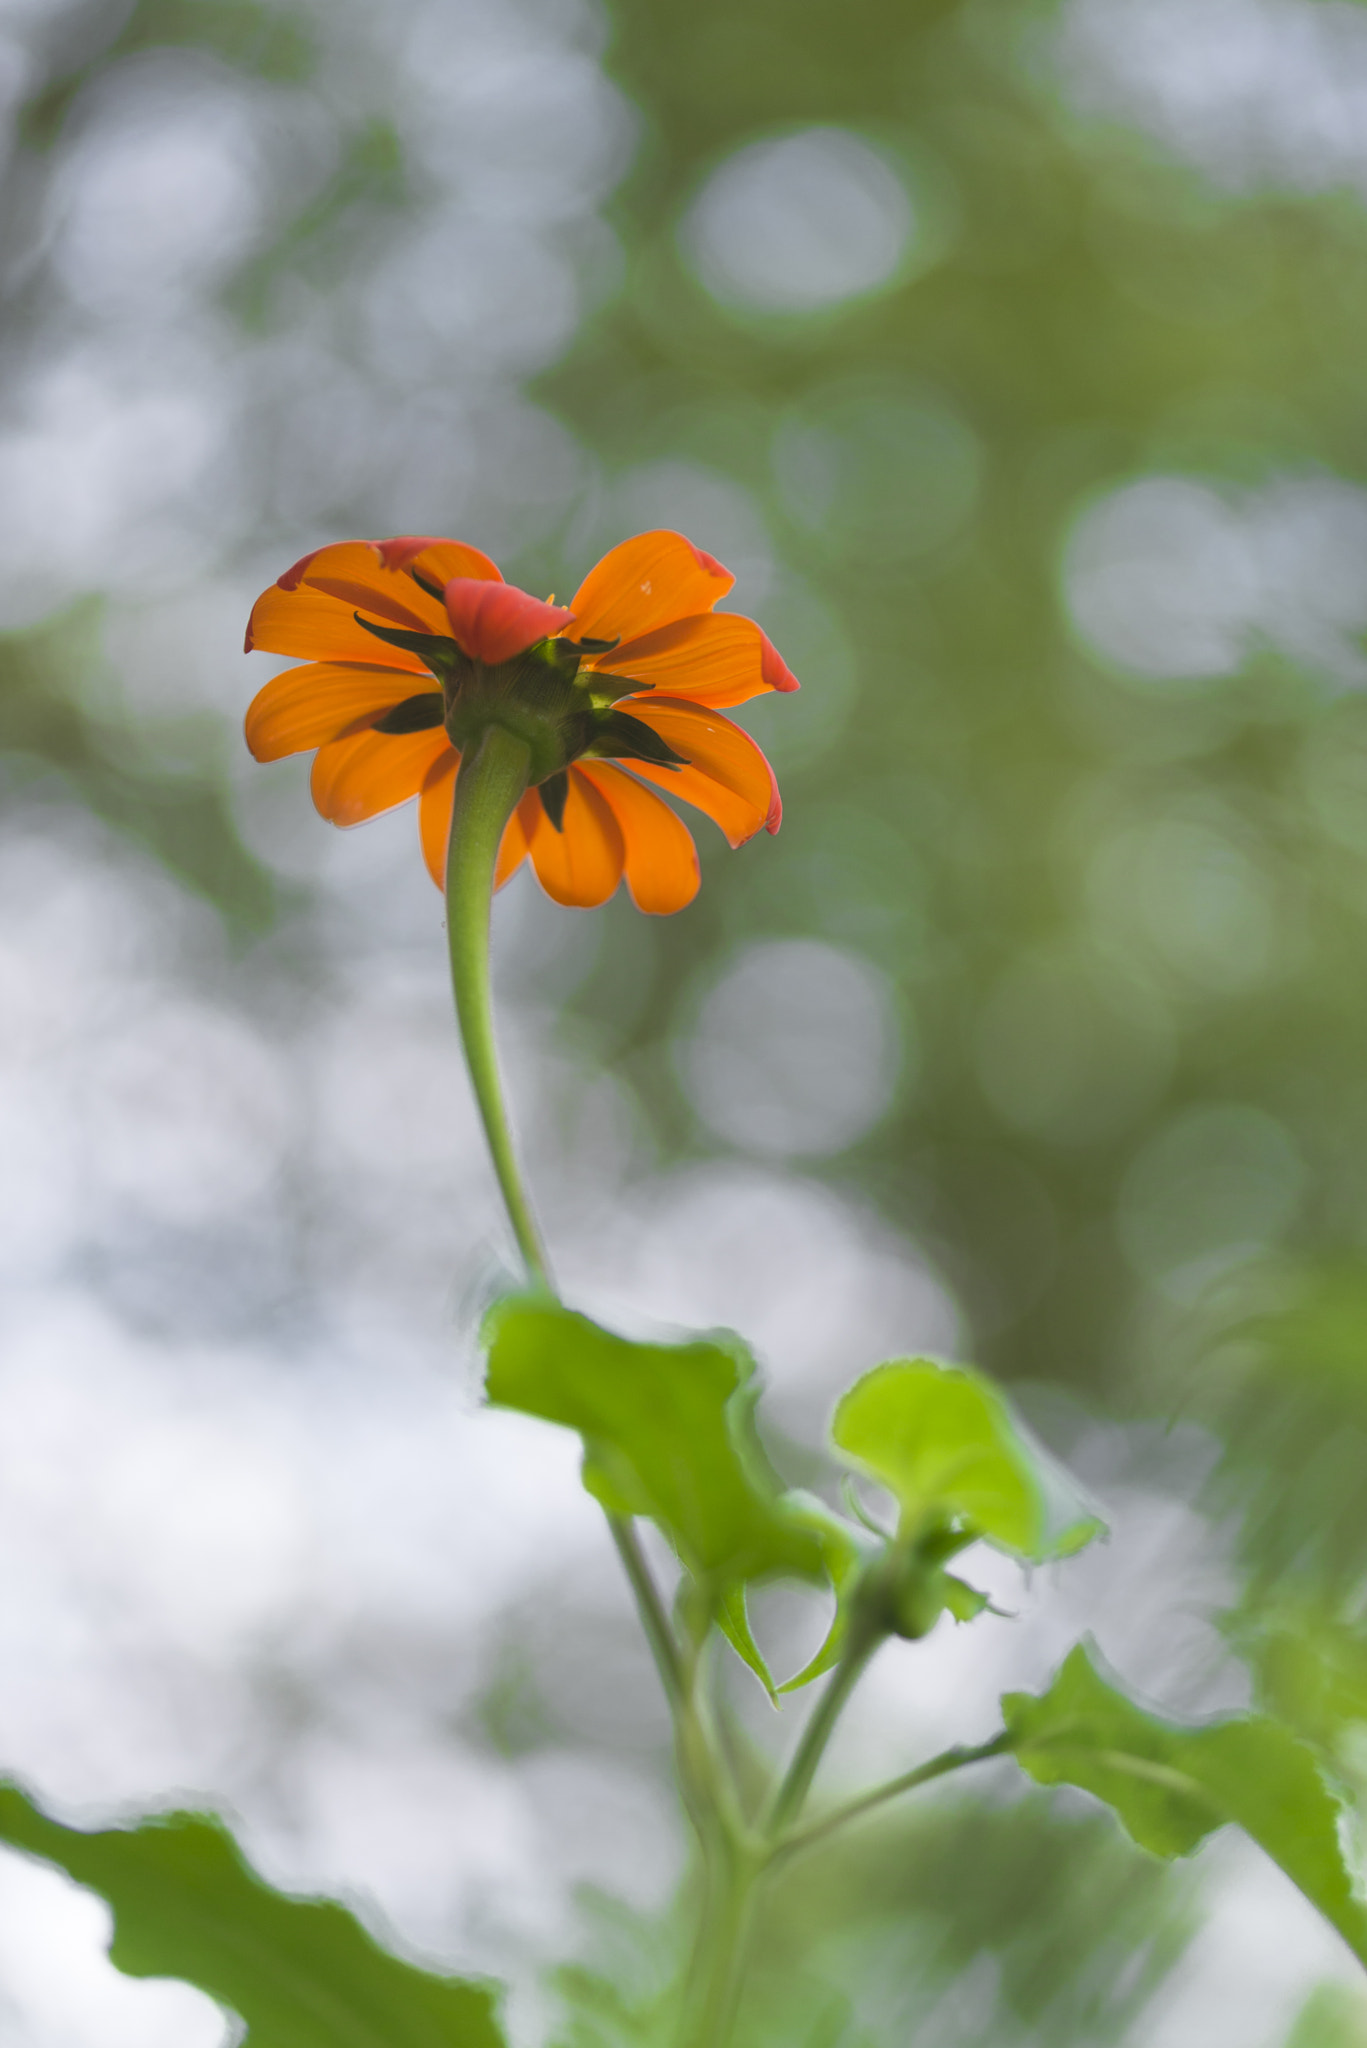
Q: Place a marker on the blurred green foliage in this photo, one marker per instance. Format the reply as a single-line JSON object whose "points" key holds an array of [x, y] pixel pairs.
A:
{"points": [[971, 1923]]}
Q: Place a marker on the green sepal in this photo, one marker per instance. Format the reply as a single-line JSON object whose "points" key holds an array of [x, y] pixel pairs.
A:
{"points": [[1170, 1786], [617, 736], [553, 793], [577, 650], [415, 714], [669, 1434], [298, 1973], [440, 652], [944, 1442]]}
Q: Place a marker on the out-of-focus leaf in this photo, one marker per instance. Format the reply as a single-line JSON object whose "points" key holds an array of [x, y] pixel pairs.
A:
{"points": [[1332, 2017], [946, 1445], [668, 1433], [1171, 1786], [300, 1973], [1310, 1665]]}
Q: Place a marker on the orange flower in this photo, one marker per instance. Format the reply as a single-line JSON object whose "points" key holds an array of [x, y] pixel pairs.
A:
{"points": [[415, 645]]}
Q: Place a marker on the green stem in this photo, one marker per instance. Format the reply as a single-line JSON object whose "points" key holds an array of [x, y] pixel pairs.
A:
{"points": [[798, 1778], [718, 1967], [491, 778], [650, 1607], [938, 1767]]}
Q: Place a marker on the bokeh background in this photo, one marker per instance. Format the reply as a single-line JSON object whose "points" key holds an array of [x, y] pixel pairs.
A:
{"points": [[1012, 355]]}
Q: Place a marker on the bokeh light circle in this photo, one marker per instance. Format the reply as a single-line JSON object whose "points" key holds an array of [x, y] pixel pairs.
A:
{"points": [[799, 222], [795, 1049]]}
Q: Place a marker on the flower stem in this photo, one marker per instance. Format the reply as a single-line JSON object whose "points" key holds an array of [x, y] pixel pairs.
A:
{"points": [[491, 778]]}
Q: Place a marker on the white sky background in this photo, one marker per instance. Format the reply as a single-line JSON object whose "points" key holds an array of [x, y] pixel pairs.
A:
{"points": [[245, 1219]]}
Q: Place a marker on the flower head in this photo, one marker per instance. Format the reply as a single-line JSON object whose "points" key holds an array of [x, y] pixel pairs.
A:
{"points": [[414, 646]]}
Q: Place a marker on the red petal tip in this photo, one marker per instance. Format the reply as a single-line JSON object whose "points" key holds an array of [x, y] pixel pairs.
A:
{"points": [[493, 622], [292, 577], [773, 668], [404, 548], [710, 563]]}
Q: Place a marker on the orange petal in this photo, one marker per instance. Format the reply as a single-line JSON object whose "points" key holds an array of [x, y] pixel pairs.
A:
{"points": [[646, 583], [321, 628], [716, 658], [434, 812], [369, 772], [661, 859], [516, 843], [494, 621], [353, 571], [434, 823], [306, 706], [438, 559], [581, 865], [728, 776]]}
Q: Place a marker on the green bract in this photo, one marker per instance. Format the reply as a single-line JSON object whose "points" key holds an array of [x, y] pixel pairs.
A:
{"points": [[299, 1973]]}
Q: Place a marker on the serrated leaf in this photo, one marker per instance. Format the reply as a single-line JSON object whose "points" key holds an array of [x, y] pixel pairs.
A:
{"points": [[668, 1433], [944, 1442], [300, 1973], [1171, 1786]]}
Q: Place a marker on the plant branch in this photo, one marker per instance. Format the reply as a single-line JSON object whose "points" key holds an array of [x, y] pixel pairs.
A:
{"points": [[797, 1780], [938, 1767]]}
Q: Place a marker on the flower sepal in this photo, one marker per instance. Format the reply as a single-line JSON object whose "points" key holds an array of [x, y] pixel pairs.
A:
{"points": [[533, 696], [620, 737]]}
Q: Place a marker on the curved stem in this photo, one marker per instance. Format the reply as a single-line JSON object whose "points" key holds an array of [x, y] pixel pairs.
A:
{"points": [[491, 778]]}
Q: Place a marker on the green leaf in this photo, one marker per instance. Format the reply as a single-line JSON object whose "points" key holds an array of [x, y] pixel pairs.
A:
{"points": [[1171, 1786], [946, 1445], [668, 1433], [300, 1973]]}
